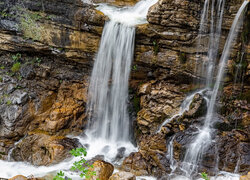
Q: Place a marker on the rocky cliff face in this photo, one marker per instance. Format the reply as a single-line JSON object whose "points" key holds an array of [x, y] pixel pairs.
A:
{"points": [[46, 54]]}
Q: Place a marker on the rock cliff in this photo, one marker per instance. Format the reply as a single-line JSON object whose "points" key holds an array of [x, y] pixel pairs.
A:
{"points": [[47, 49]]}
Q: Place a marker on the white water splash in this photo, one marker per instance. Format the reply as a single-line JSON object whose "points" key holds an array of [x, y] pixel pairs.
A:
{"points": [[184, 106], [129, 16]]}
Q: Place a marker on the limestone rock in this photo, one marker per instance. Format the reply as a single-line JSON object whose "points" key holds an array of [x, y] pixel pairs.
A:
{"points": [[103, 170], [136, 164], [245, 177], [42, 149], [19, 177], [123, 176], [159, 101]]}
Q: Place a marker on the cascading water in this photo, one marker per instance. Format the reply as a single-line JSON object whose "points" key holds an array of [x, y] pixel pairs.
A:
{"points": [[214, 39], [195, 151], [202, 30], [184, 106], [108, 103], [108, 90]]}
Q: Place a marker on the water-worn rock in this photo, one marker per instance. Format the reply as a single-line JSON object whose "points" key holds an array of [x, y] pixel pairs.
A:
{"points": [[53, 101], [245, 177], [42, 149], [136, 164], [197, 109], [19, 177], [102, 169], [159, 100], [73, 33], [123, 176]]}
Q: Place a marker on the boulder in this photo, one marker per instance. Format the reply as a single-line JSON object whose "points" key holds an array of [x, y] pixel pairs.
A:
{"points": [[19, 177], [43, 150], [102, 169], [245, 177], [123, 176], [136, 164]]}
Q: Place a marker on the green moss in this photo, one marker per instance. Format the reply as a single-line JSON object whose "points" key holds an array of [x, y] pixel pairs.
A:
{"points": [[136, 103], [9, 102], [245, 96], [16, 67], [156, 47], [182, 57], [29, 26]]}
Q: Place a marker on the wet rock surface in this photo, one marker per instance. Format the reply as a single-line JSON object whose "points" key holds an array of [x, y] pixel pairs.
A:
{"points": [[46, 98], [43, 150], [123, 176], [102, 169]]}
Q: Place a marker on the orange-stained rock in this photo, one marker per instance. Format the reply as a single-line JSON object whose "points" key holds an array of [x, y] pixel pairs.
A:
{"points": [[62, 110], [103, 170], [41, 149], [245, 177], [18, 177], [123, 176], [136, 164]]}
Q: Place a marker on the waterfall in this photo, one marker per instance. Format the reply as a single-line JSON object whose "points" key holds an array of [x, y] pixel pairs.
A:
{"points": [[214, 39], [108, 100], [108, 90], [203, 140], [202, 29]]}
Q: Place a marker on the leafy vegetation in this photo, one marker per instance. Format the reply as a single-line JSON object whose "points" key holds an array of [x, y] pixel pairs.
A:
{"points": [[182, 57], [16, 57], [29, 23], [16, 67], [204, 176], [82, 166], [156, 47]]}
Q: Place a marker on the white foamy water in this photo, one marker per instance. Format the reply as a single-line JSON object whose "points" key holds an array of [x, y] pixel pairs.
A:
{"points": [[220, 176], [185, 106], [129, 16]]}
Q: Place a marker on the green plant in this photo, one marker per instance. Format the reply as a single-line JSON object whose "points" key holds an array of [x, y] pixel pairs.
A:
{"points": [[204, 176], [16, 57], [16, 67], [4, 14], [156, 47], [28, 24], [2, 67], [9, 102], [1, 79], [60, 176], [183, 57], [81, 165], [135, 67]]}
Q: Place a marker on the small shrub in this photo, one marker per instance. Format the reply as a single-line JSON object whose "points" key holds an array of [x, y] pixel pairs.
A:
{"points": [[183, 57], [80, 165], [9, 102], [16, 67], [28, 24], [204, 176], [16, 57]]}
